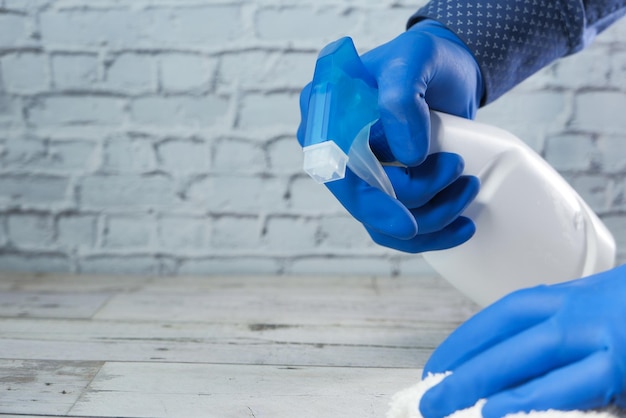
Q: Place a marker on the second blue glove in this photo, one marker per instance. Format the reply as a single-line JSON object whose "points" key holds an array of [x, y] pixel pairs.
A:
{"points": [[549, 347]]}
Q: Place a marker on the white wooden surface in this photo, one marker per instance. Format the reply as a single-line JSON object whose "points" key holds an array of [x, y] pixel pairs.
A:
{"points": [[216, 346]]}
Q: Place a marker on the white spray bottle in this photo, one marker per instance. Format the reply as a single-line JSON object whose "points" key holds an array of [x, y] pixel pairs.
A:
{"points": [[531, 226]]}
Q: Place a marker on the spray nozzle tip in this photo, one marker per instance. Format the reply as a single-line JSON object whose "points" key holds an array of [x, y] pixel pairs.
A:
{"points": [[325, 162]]}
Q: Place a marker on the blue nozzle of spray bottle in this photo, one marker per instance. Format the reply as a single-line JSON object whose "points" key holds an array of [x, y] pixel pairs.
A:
{"points": [[342, 108]]}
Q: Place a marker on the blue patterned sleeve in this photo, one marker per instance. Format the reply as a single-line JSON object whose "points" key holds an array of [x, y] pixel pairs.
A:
{"points": [[512, 39]]}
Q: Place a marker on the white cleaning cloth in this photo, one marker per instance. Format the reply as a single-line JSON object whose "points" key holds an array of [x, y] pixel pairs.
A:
{"points": [[404, 404]]}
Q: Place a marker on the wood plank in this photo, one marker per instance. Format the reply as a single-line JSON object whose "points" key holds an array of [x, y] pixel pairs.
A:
{"points": [[277, 304], [47, 282], [225, 391], [27, 416], [379, 346], [43, 387], [33, 304], [221, 353], [231, 298], [220, 346], [416, 334], [72, 282]]}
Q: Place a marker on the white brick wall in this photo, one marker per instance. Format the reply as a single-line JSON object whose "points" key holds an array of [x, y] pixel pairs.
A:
{"points": [[157, 136]]}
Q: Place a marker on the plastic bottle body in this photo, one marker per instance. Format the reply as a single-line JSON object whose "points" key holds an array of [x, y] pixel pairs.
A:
{"points": [[532, 227]]}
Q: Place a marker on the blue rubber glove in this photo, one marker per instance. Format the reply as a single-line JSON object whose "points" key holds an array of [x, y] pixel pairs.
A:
{"points": [[548, 347], [427, 67]]}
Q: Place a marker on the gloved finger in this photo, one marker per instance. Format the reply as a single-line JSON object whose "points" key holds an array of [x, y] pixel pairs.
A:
{"points": [[589, 383], [456, 233], [503, 319], [521, 358], [305, 95], [404, 113], [414, 186], [372, 207], [447, 205]]}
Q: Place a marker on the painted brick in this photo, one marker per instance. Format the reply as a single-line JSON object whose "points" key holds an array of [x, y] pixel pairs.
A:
{"points": [[571, 152], [35, 262], [285, 156], [33, 190], [307, 196], [10, 110], [292, 69], [617, 225], [4, 235], [27, 230], [76, 231], [129, 154], [127, 191], [617, 195], [184, 155], [584, 70], [77, 110], [25, 6], [238, 194], [181, 116], [70, 156], [269, 110], [31, 153], [132, 73], [168, 266], [613, 152], [123, 232], [595, 191], [183, 233], [185, 72], [75, 71], [290, 234], [600, 112], [25, 72], [229, 266], [241, 156], [14, 30], [236, 232], [246, 69], [618, 67], [195, 112], [385, 24], [120, 264], [208, 26], [92, 27], [21, 151], [253, 69], [343, 232], [321, 24]]}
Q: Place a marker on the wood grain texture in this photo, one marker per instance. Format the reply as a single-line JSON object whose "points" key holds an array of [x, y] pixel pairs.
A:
{"points": [[216, 346], [43, 386], [186, 390]]}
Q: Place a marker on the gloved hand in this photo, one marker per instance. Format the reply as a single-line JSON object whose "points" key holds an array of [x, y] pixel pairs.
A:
{"points": [[427, 67], [549, 347]]}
